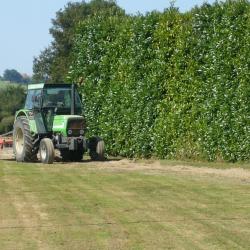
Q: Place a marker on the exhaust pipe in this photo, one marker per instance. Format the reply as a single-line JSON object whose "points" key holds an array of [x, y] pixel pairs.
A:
{"points": [[73, 102]]}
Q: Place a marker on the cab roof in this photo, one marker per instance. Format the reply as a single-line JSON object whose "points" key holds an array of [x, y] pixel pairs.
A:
{"points": [[43, 85]]}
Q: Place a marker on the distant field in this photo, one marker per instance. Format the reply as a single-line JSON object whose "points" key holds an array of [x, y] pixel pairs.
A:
{"points": [[4, 84], [123, 205]]}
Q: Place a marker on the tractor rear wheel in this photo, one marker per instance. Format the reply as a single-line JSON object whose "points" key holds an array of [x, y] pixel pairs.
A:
{"points": [[23, 141], [47, 151], [96, 149]]}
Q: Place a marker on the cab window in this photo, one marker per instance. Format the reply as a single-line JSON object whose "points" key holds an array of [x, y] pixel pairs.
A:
{"points": [[32, 98]]}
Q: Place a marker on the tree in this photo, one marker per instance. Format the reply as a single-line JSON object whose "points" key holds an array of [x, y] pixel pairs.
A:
{"points": [[53, 62], [12, 75], [6, 124], [10, 105], [42, 65], [26, 79]]}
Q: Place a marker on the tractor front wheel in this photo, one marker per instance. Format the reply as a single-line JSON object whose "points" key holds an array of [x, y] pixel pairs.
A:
{"points": [[47, 151], [23, 141], [96, 149]]}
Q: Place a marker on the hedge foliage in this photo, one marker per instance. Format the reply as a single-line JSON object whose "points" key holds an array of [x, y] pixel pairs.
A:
{"points": [[12, 98], [168, 85]]}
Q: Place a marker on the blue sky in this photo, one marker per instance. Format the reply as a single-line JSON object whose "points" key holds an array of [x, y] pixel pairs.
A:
{"points": [[24, 26]]}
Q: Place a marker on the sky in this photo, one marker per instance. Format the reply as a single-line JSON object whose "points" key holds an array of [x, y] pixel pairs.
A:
{"points": [[24, 26]]}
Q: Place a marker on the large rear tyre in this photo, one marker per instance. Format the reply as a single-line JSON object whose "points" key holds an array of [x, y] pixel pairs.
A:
{"points": [[47, 151], [96, 149], [23, 141]]}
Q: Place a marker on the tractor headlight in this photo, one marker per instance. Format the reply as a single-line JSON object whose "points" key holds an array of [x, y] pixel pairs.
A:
{"points": [[70, 132], [81, 132]]}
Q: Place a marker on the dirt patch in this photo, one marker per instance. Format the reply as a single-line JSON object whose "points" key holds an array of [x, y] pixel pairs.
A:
{"points": [[149, 167], [157, 167], [6, 154]]}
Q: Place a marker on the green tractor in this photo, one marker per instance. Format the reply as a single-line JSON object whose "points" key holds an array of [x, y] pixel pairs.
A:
{"points": [[52, 119]]}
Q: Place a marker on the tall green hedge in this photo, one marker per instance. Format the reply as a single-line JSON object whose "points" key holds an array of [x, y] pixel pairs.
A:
{"points": [[168, 85]]}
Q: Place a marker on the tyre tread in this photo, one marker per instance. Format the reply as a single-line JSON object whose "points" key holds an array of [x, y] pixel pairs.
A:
{"points": [[29, 155]]}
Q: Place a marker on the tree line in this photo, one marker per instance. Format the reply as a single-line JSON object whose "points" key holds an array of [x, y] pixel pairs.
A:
{"points": [[13, 76], [12, 98], [165, 84], [53, 63]]}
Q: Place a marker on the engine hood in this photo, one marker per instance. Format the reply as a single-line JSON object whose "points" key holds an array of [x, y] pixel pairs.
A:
{"points": [[61, 121]]}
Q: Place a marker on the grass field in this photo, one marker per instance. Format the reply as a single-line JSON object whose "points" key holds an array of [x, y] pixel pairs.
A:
{"points": [[123, 205], [5, 84]]}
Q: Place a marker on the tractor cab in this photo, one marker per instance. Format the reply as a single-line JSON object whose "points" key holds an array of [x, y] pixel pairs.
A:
{"points": [[52, 119], [63, 99], [51, 105]]}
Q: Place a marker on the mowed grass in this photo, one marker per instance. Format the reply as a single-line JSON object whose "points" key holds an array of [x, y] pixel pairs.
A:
{"points": [[91, 206]]}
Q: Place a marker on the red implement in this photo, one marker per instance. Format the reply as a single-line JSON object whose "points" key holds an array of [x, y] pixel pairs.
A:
{"points": [[6, 142]]}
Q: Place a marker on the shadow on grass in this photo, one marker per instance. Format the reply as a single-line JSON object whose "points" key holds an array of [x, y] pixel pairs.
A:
{"points": [[59, 160], [2, 159]]}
